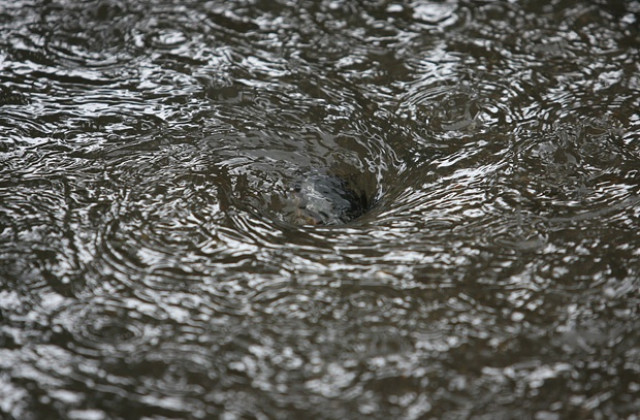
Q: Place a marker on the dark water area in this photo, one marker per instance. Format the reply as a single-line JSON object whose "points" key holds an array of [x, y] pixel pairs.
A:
{"points": [[319, 209]]}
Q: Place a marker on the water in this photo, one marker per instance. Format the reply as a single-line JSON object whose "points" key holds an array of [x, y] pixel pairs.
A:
{"points": [[156, 260]]}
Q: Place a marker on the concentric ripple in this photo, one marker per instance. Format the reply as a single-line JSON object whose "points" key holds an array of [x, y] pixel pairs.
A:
{"points": [[107, 326]]}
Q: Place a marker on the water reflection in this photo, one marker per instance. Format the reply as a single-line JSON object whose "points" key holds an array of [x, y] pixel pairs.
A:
{"points": [[327, 209]]}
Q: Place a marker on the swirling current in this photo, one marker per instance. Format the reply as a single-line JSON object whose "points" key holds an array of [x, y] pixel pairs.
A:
{"points": [[319, 209]]}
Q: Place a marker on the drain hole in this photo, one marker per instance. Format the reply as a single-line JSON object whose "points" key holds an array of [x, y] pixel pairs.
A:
{"points": [[320, 199]]}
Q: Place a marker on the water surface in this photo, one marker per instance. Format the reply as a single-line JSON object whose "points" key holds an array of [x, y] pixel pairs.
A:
{"points": [[151, 153]]}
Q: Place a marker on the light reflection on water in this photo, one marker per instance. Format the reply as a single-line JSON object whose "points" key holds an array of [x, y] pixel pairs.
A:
{"points": [[151, 152]]}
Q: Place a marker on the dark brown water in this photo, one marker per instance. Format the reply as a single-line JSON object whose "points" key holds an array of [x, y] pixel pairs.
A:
{"points": [[150, 153]]}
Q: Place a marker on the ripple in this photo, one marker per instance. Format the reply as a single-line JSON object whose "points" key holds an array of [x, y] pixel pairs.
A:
{"points": [[108, 326], [175, 372], [90, 33], [167, 39], [436, 14], [166, 217]]}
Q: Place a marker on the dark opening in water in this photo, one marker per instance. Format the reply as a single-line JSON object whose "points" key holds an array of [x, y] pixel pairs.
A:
{"points": [[320, 199]]}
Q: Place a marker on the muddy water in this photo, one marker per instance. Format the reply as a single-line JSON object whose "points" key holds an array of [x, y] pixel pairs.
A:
{"points": [[319, 209]]}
